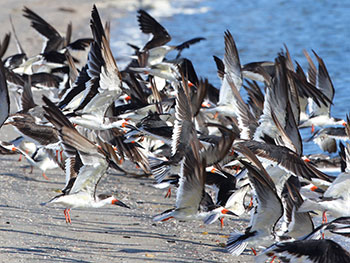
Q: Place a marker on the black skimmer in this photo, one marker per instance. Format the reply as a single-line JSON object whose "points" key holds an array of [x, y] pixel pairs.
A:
{"points": [[335, 199], [4, 44], [44, 159], [255, 70], [229, 70], [309, 248], [295, 224], [326, 138], [266, 214], [232, 67], [307, 91], [29, 122], [95, 162], [55, 42], [246, 121], [182, 130], [27, 126], [192, 202], [320, 115], [255, 98], [313, 251], [228, 195], [4, 96], [104, 84], [284, 158], [264, 70], [16, 60], [191, 188], [155, 50]]}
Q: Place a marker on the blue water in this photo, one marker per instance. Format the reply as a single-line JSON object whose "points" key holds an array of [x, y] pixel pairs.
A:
{"points": [[260, 28]]}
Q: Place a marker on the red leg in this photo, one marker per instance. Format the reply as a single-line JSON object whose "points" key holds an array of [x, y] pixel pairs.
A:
{"points": [[324, 217], [222, 222], [65, 215], [273, 258], [216, 115], [254, 251], [20, 157], [69, 220], [168, 193], [237, 169], [250, 204], [44, 175]]}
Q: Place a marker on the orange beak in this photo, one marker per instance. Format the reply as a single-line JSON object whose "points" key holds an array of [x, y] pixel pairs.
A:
{"points": [[120, 203], [227, 212], [314, 188]]}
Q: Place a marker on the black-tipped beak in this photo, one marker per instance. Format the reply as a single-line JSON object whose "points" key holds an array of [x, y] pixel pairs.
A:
{"points": [[228, 212], [120, 203]]}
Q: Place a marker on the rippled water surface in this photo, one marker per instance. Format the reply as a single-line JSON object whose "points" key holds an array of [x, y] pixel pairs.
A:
{"points": [[260, 28]]}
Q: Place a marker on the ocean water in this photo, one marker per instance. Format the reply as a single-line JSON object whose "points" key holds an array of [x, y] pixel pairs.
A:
{"points": [[260, 29]]}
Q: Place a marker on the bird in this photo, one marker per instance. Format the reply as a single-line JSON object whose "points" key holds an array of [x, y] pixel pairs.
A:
{"points": [[335, 200], [155, 49], [321, 116], [309, 248], [82, 191], [4, 96], [267, 212], [315, 251]]}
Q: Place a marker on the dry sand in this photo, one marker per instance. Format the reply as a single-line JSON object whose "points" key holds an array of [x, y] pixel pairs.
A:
{"points": [[30, 232], [34, 233]]}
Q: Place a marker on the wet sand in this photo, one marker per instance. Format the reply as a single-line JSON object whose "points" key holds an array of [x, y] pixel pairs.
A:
{"points": [[30, 232]]}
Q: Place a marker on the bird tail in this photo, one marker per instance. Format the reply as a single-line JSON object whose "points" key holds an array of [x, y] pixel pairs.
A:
{"points": [[160, 169], [235, 243], [166, 215], [211, 218]]}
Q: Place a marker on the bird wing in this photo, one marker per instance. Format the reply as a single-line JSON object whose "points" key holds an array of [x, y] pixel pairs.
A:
{"points": [[232, 69], [192, 180], [4, 96], [54, 39], [149, 25]]}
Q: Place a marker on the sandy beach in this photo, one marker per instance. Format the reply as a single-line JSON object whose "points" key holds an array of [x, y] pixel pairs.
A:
{"points": [[33, 232], [30, 232]]}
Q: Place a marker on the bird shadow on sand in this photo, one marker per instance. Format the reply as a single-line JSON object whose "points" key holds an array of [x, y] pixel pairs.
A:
{"points": [[41, 255], [136, 250], [163, 260], [32, 177], [21, 177], [36, 234]]}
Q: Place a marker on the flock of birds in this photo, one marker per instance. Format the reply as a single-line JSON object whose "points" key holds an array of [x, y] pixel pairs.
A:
{"points": [[156, 118]]}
